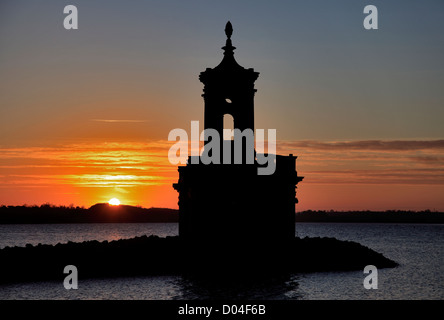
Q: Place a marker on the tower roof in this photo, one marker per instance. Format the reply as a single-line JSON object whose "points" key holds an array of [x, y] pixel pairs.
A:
{"points": [[228, 65], [228, 62]]}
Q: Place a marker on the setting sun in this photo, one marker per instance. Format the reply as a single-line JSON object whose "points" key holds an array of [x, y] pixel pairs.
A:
{"points": [[114, 202]]}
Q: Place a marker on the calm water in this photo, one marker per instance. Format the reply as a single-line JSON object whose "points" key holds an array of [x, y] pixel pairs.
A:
{"points": [[418, 248]]}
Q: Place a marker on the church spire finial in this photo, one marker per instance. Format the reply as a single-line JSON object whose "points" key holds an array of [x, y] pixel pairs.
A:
{"points": [[228, 29], [228, 46]]}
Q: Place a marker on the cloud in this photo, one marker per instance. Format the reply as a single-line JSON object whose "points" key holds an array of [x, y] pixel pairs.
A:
{"points": [[432, 160], [87, 165], [389, 162], [118, 121], [121, 190], [380, 145], [377, 176]]}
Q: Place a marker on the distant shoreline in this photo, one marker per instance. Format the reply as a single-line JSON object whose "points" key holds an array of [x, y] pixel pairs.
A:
{"points": [[105, 213], [390, 216]]}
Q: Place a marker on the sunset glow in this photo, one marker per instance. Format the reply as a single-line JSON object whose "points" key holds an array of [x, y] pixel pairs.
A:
{"points": [[85, 114], [114, 202], [340, 175]]}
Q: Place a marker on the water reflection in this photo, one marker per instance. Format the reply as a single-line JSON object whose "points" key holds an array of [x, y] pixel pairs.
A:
{"points": [[282, 287]]}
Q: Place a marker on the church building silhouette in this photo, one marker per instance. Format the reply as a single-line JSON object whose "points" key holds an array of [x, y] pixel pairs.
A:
{"points": [[232, 202]]}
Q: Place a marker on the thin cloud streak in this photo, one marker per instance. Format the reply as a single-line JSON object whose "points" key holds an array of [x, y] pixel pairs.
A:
{"points": [[380, 145], [118, 121]]}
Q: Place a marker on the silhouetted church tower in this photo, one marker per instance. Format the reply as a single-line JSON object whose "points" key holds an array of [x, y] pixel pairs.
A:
{"points": [[229, 89], [231, 202]]}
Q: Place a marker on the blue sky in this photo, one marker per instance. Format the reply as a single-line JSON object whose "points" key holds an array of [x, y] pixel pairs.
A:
{"points": [[322, 75]]}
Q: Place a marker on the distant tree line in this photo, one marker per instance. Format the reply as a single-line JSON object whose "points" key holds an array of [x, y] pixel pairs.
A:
{"points": [[103, 212], [98, 213]]}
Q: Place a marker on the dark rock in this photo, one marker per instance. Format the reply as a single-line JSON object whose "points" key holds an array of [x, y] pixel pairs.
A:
{"points": [[154, 256]]}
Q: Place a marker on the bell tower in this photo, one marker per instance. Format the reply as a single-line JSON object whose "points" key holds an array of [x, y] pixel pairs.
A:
{"points": [[229, 89], [229, 204]]}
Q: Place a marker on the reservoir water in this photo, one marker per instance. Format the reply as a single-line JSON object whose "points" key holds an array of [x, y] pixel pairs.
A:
{"points": [[418, 248]]}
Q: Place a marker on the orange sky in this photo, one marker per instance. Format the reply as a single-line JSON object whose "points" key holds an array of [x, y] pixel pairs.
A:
{"points": [[353, 175], [85, 114]]}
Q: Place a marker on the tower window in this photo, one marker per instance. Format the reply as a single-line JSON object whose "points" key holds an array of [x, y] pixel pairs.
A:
{"points": [[228, 127]]}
